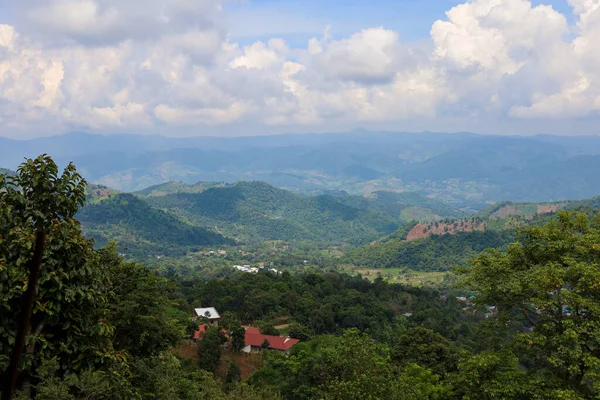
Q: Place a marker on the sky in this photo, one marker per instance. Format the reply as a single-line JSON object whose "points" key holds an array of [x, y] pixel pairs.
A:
{"points": [[247, 67]]}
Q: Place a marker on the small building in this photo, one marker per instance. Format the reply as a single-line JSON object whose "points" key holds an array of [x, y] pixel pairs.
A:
{"points": [[210, 313], [256, 341]]}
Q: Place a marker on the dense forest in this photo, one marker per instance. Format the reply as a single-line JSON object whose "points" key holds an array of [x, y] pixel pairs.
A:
{"points": [[433, 253], [140, 229], [79, 322]]}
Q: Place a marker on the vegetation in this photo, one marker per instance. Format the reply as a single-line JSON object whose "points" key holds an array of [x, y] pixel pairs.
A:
{"points": [[433, 253], [141, 229], [522, 324], [255, 211]]}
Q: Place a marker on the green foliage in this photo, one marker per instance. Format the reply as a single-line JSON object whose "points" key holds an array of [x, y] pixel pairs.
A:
{"points": [[70, 316], [550, 278], [326, 302], [167, 378], [209, 349], [434, 253], [255, 211], [234, 374], [351, 366], [493, 376], [426, 348], [138, 306], [300, 332], [141, 229], [266, 328]]}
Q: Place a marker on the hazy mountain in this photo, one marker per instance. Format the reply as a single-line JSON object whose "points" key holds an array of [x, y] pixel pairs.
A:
{"points": [[464, 169]]}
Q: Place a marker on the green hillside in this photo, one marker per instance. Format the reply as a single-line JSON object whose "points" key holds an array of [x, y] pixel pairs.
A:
{"points": [[407, 206], [442, 251], [256, 211], [177, 187], [434, 253], [141, 229]]}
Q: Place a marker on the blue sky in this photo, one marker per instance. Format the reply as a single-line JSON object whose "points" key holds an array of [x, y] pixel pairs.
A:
{"points": [[297, 21]]}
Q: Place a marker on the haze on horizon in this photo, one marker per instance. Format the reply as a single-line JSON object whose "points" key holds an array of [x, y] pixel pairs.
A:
{"points": [[256, 67]]}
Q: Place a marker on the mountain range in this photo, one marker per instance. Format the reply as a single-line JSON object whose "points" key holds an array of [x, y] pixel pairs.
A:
{"points": [[174, 218], [466, 170]]}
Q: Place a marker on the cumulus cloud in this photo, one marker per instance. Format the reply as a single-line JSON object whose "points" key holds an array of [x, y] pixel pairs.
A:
{"points": [[143, 65]]}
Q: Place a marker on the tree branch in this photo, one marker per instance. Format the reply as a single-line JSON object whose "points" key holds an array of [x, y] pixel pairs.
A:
{"points": [[527, 317]]}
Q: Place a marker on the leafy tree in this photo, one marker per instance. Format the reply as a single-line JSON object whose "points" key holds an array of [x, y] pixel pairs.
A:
{"points": [[300, 332], [40, 238], [549, 280], [209, 349], [138, 304], [238, 338], [492, 375], [267, 328], [426, 348], [234, 374]]}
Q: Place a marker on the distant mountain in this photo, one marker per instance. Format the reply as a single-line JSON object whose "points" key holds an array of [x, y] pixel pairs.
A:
{"points": [[141, 229], [468, 171], [164, 189]]}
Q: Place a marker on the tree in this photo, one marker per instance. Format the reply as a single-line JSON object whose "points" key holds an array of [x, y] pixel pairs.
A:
{"points": [[426, 348], [550, 281], [238, 338], [300, 332], [234, 374], [44, 255], [209, 349], [138, 307], [492, 375], [267, 328]]}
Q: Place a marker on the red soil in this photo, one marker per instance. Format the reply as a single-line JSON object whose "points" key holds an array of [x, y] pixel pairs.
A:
{"points": [[422, 230]]}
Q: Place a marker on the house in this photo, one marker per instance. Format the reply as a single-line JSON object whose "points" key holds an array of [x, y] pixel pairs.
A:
{"points": [[210, 313], [255, 340]]}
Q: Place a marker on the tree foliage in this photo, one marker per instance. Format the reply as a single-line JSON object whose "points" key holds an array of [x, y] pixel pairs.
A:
{"points": [[550, 279]]}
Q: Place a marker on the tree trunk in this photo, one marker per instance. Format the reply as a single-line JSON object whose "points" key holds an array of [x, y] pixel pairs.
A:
{"points": [[24, 325]]}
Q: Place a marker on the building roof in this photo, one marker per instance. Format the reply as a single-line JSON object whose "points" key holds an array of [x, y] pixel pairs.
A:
{"points": [[200, 331], [212, 313], [202, 328], [255, 338]]}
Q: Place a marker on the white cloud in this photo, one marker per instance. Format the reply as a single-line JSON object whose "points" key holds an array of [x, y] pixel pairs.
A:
{"points": [[141, 65]]}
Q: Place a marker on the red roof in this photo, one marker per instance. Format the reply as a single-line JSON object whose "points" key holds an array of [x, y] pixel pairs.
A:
{"points": [[255, 338], [202, 328]]}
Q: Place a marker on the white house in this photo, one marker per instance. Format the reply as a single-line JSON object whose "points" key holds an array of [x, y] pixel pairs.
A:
{"points": [[210, 313]]}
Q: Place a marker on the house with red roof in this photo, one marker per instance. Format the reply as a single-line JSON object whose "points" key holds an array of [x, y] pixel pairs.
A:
{"points": [[256, 341]]}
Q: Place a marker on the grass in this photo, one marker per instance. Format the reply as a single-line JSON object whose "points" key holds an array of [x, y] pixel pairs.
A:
{"points": [[401, 275]]}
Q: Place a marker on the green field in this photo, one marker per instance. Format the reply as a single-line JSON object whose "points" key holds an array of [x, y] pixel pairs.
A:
{"points": [[400, 275]]}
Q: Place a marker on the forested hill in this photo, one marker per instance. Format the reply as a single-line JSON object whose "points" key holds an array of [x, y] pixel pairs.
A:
{"points": [[140, 229], [442, 245], [177, 187], [256, 211]]}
